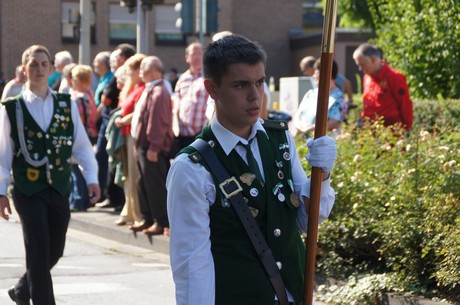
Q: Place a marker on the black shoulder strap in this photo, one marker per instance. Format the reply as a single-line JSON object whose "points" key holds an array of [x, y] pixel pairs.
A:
{"points": [[231, 189]]}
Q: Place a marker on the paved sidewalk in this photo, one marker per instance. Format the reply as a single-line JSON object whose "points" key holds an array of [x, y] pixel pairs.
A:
{"points": [[101, 222]]}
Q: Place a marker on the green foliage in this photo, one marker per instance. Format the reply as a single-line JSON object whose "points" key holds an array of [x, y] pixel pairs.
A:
{"points": [[397, 209], [420, 38]]}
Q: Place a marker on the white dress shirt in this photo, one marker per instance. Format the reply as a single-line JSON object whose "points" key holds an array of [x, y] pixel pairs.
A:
{"points": [[42, 111], [191, 192]]}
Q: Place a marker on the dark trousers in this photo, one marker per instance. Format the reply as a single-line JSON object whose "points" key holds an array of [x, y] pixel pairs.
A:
{"points": [[44, 219], [79, 197], [151, 187], [102, 158], [106, 175]]}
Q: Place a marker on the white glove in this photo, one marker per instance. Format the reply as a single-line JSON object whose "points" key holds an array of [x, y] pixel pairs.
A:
{"points": [[322, 153]]}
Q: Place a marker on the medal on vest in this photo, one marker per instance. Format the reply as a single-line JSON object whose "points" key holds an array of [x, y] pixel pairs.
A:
{"points": [[247, 178], [39, 135], [62, 104], [279, 165], [33, 174], [254, 192], [286, 154], [30, 133], [254, 212], [277, 192], [295, 200]]}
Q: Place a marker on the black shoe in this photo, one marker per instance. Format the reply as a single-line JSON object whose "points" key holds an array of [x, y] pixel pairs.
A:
{"points": [[15, 298]]}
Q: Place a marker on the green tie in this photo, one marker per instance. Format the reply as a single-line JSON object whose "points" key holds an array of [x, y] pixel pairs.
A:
{"points": [[252, 162]]}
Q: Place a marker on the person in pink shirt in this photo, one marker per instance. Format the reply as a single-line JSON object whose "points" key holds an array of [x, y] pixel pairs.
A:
{"points": [[191, 97]]}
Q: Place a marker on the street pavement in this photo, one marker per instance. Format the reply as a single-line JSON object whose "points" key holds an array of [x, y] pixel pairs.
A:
{"points": [[93, 270], [102, 264]]}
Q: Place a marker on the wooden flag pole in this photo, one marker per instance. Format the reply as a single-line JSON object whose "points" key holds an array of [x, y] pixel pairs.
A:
{"points": [[327, 56]]}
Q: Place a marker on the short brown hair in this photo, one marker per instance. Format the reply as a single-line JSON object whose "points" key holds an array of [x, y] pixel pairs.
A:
{"points": [[34, 49]]}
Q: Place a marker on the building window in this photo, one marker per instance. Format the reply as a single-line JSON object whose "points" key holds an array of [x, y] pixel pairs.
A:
{"points": [[70, 22], [122, 25], [166, 33]]}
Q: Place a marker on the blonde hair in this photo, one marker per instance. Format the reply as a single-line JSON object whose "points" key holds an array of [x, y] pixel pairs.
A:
{"points": [[120, 74], [83, 73], [134, 62]]}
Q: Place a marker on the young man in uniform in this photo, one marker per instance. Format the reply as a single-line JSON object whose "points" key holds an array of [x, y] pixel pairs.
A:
{"points": [[212, 258], [40, 131]]}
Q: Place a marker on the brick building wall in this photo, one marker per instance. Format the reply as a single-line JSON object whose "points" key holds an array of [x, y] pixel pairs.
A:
{"points": [[25, 22]]}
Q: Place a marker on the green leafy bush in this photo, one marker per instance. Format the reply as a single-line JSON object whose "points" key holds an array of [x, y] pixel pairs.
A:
{"points": [[418, 37], [397, 210], [422, 39]]}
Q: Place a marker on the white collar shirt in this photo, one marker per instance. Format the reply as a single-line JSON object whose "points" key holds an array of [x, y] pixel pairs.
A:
{"points": [[42, 111], [191, 192]]}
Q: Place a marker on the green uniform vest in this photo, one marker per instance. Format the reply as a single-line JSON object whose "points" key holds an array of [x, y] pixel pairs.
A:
{"points": [[54, 143], [240, 276]]}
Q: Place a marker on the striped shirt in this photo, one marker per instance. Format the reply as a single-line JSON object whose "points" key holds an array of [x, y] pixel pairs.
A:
{"points": [[193, 97]]}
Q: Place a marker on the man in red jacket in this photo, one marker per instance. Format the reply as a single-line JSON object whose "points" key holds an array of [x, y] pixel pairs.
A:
{"points": [[385, 90]]}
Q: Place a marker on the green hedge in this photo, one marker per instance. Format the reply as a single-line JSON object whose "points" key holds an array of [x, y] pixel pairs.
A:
{"points": [[397, 210]]}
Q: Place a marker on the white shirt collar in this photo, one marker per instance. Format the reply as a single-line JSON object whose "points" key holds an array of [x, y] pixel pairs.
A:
{"points": [[30, 97], [228, 140]]}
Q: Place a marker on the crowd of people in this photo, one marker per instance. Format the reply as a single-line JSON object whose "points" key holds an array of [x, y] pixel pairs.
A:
{"points": [[77, 136]]}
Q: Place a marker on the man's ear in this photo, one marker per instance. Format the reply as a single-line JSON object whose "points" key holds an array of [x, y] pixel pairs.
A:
{"points": [[211, 88]]}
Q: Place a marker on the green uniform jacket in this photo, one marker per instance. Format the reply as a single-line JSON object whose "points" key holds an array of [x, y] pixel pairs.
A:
{"points": [[54, 143], [240, 276]]}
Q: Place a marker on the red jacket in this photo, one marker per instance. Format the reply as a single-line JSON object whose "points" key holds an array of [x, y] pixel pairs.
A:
{"points": [[386, 95]]}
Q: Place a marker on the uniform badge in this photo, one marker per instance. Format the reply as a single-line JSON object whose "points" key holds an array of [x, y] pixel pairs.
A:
{"points": [[247, 178], [277, 192], [33, 174], [279, 166], [225, 203], [285, 147], [254, 212], [295, 200], [62, 104], [30, 133]]}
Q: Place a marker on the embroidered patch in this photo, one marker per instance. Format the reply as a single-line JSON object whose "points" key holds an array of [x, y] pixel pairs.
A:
{"points": [[33, 174]]}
